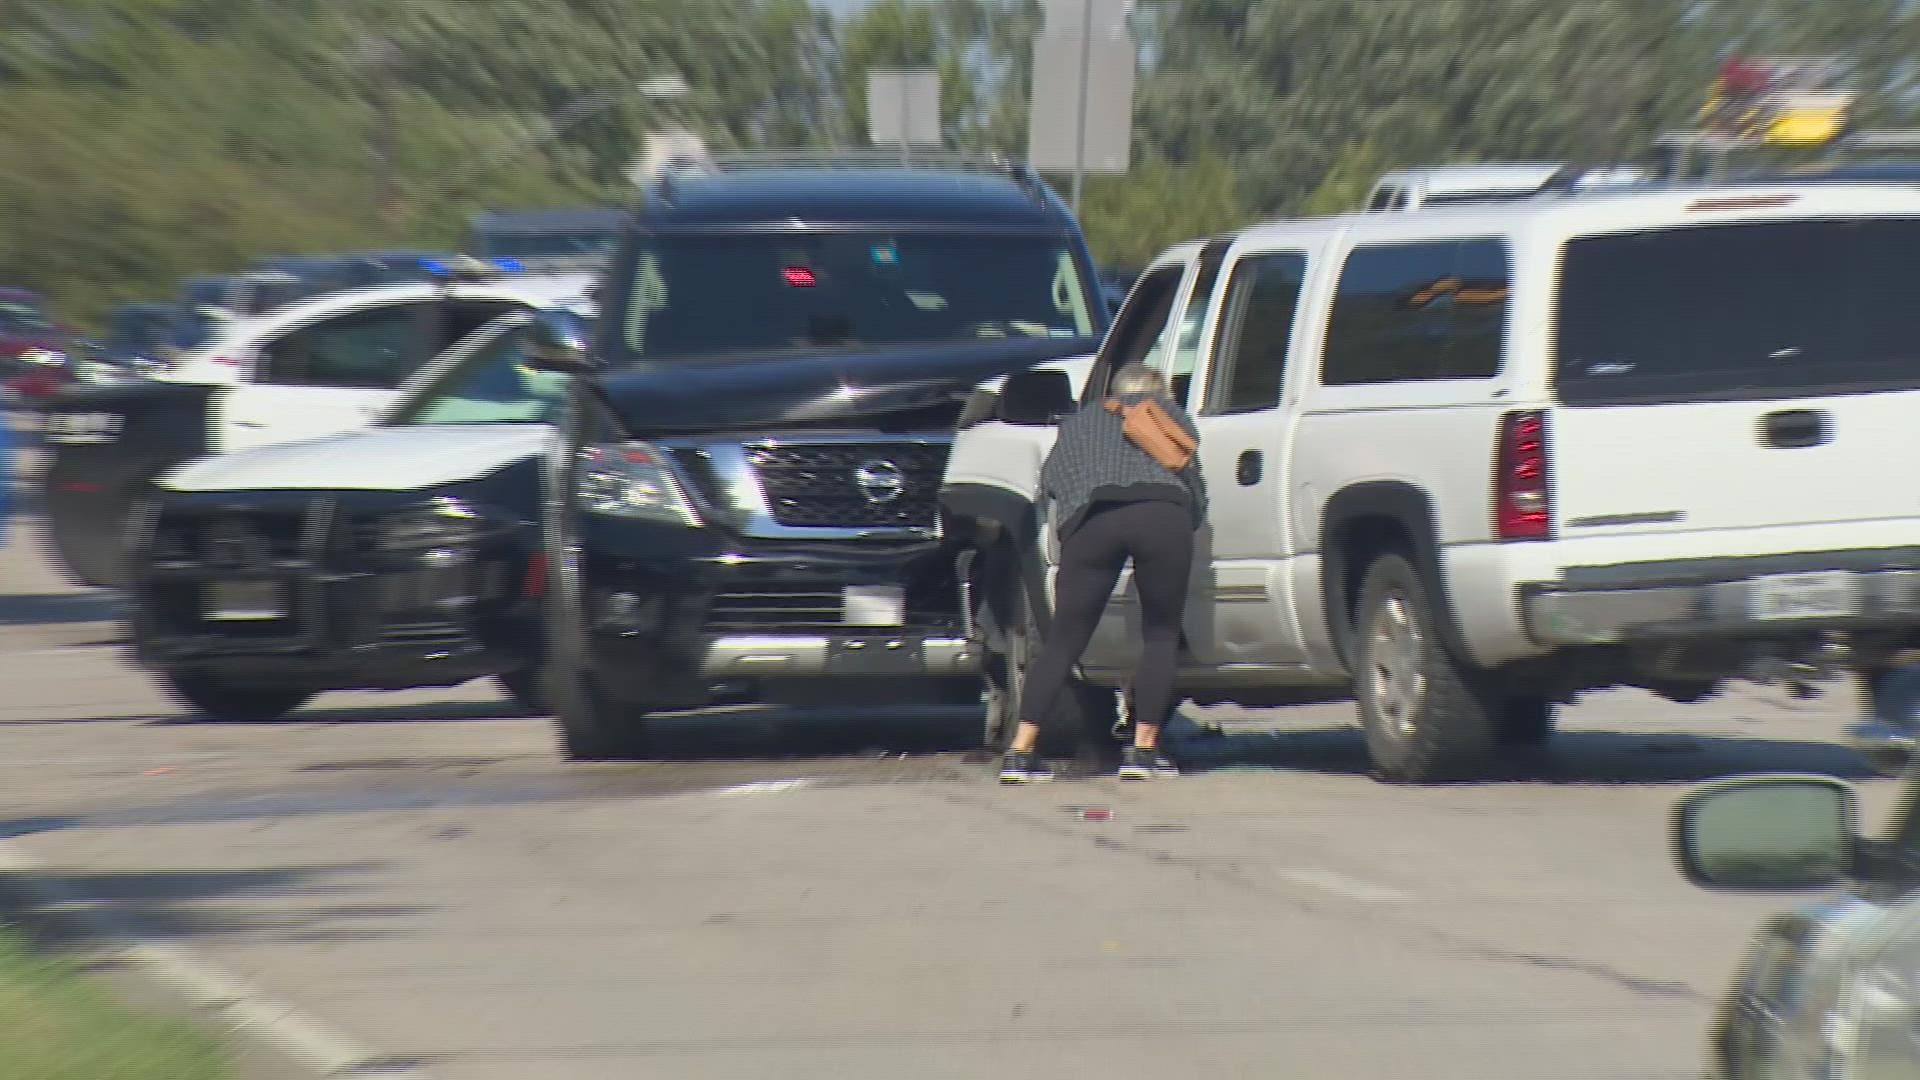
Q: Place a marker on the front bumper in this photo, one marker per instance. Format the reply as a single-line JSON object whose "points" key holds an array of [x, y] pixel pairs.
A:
{"points": [[352, 618], [1753, 597], [679, 617]]}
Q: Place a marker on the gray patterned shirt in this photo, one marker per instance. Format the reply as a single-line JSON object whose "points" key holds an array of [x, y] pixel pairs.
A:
{"points": [[1093, 461]]}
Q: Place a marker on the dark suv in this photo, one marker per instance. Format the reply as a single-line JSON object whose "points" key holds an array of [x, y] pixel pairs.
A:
{"points": [[785, 344]]}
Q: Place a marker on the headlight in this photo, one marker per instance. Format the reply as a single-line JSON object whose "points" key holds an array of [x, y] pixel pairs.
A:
{"points": [[632, 480], [440, 523]]}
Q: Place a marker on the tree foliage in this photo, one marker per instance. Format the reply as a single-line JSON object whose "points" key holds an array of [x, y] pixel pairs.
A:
{"points": [[142, 141]]}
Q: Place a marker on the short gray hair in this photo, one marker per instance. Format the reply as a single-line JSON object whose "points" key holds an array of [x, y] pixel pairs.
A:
{"points": [[1138, 378]]}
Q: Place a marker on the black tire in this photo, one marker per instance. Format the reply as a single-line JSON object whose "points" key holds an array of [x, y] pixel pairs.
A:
{"points": [[528, 689], [1526, 721], [232, 704], [1431, 723], [591, 726], [1082, 720]]}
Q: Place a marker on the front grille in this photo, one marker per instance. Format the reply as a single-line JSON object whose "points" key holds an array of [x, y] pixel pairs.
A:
{"points": [[775, 608], [342, 587], [878, 485], [230, 539]]}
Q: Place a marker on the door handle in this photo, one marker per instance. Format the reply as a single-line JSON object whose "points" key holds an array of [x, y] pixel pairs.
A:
{"points": [[1247, 470], [250, 423], [1793, 429]]}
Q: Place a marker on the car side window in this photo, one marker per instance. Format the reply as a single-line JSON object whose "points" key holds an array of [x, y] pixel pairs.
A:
{"points": [[1263, 295], [372, 349], [1178, 351], [492, 386], [1138, 327], [1416, 312]]}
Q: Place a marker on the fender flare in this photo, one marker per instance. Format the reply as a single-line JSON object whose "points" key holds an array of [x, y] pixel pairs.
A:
{"points": [[1412, 510]]}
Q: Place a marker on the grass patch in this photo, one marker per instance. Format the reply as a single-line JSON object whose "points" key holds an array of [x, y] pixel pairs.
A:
{"points": [[56, 1024]]}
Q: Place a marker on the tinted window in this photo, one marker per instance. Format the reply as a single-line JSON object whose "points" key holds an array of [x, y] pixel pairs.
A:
{"points": [[1184, 340], [1262, 296], [696, 296], [1139, 327], [375, 349], [1730, 311], [22, 315], [1414, 312]]}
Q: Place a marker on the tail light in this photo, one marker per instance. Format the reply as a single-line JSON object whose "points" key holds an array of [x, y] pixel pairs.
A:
{"points": [[1522, 509]]}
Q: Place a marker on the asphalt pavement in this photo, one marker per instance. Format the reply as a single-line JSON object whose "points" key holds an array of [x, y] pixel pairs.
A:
{"points": [[416, 885]]}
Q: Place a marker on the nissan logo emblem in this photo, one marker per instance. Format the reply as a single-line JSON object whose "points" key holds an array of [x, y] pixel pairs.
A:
{"points": [[880, 481]]}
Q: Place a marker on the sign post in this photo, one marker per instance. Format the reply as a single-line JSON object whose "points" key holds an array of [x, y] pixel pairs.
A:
{"points": [[1081, 117]]}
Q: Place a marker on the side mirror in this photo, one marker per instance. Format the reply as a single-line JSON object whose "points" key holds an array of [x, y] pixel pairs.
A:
{"points": [[559, 340], [1782, 831], [1036, 396]]}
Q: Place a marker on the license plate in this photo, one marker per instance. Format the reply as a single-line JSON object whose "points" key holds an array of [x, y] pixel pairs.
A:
{"points": [[246, 601], [874, 605], [1826, 595]]}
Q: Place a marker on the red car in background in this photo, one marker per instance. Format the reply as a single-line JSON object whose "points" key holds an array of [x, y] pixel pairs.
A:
{"points": [[35, 352]]}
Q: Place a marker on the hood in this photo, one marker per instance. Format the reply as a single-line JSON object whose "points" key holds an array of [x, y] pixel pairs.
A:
{"points": [[371, 459], [674, 396]]}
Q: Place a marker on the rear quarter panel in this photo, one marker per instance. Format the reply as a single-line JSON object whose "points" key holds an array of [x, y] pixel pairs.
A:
{"points": [[104, 444]]}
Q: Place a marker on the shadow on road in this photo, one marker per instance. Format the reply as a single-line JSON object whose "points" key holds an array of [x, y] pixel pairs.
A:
{"points": [[1571, 758], [57, 609], [295, 903], [758, 731]]}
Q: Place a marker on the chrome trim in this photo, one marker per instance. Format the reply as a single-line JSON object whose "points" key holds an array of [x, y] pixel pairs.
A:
{"points": [[774, 655], [747, 497]]}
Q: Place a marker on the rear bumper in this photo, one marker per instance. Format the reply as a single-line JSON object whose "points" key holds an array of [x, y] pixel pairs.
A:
{"points": [[1724, 598]]}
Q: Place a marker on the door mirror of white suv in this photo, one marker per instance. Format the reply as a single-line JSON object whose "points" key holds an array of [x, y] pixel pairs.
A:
{"points": [[1783, 831], [1037, 397]]}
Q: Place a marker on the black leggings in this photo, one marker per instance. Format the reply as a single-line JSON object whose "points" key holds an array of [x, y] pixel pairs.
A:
{"points": [[1158, 536]]}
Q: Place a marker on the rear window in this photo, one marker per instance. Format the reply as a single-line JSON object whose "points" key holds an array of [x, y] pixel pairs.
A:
{"points": [[1721, 312]]}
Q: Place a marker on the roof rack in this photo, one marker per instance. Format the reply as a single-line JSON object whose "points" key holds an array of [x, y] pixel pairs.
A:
{"points": [[871, 158]]}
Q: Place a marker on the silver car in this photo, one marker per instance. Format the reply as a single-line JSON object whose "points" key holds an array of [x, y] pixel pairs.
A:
{"points": [[1831, 990]]}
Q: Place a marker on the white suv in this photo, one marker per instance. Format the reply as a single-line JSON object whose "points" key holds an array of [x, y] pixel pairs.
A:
{"points": [[1466, 463]]}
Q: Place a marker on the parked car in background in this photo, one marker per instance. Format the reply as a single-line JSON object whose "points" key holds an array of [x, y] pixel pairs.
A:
{"points": [[402, 554], [8, 470], [532, 239], [139, 342], [1830, 990], [35, 351], [313, 368]]}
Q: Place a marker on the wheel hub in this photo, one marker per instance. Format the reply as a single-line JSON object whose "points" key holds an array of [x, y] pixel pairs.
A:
{"points": [[1396, 673]]}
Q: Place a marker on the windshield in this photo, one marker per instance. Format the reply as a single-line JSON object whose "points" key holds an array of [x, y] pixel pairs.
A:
{"points": [[22, 315], [1775, 309], [490, 386], [720, 295]]}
